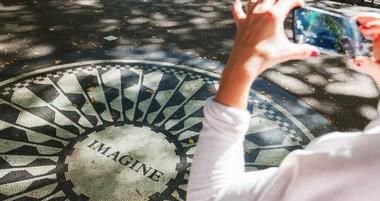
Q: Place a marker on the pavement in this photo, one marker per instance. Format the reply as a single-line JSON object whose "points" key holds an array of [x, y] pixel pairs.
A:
{"points": [[30, 30], [103, 99]]}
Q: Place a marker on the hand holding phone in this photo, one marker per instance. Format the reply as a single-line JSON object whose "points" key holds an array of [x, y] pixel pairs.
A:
{"points": [[331, 32], [370, 27]]}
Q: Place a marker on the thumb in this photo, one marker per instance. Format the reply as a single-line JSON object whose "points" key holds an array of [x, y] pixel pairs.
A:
{"points": [[238, 12], [301, 51], [368, 66]]}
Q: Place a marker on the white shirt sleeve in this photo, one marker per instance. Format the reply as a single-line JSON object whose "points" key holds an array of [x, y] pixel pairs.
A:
{"points": [[338, 166], [217, 171]]}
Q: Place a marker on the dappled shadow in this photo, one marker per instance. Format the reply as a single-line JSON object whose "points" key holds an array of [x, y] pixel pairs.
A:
{"points": [[347, 98], [35, 29], [38, 28], [368, 3]]}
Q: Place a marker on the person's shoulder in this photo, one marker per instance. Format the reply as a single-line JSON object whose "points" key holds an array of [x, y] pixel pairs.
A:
{"points": [[345, 140]]}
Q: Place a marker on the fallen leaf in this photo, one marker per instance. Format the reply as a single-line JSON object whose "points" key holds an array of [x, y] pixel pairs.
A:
{"points": [[93, 100], [331, 121], [151, 91], [74, 43], [191, 141], [269, 96], [89, 89], [56, 62], [25, 66], [247, 151], [36, 53], [114, 115], [209, 90]]}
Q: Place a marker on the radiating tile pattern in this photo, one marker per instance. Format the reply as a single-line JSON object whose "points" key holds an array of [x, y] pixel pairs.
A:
{"points": [[43, 118]]}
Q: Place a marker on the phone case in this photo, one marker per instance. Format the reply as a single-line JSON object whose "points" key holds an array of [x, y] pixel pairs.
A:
{"points": [[340, 35]]}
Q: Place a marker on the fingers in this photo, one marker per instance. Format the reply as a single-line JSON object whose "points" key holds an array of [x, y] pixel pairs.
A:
{"points": [[238, 12], [367, 17], [376, 49], [264, 6], [368, 66], [301, 52], [371, 31], [371, 28], [373, 23], [251, 4], [363, 62], [283, 7]]}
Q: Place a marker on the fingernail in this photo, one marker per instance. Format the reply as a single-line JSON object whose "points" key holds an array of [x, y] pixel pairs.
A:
{"points": [[314, 54], [269, 14], [358, 64]]}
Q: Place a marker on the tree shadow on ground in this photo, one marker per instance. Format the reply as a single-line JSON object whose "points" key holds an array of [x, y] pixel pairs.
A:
{"points": [[36, 29]]}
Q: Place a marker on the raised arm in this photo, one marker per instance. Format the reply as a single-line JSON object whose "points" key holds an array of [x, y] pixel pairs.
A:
{"points": [[218, 172]]}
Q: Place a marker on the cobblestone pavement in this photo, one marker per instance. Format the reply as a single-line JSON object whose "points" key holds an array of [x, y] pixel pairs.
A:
{"points": [[32, 30]]}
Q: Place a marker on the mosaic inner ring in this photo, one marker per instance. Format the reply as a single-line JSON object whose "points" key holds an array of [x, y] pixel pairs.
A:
{"points": [[63, 128]]}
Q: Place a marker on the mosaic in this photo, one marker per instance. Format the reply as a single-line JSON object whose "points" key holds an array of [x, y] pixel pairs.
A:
{"points": [[124, 130]]}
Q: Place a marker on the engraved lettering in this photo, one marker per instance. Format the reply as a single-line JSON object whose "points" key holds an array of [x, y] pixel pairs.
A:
{"points": [[127, 160], [114, 155], [155, 176], [144, 170], [134, 164], [100, 148], [92, 144]]}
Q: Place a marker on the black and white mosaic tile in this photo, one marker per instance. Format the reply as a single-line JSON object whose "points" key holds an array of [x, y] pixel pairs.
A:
{"points": [[127, 130]]}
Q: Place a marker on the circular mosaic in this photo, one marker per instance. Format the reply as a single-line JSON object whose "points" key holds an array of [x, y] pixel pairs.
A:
{"points": [[127, 130]]}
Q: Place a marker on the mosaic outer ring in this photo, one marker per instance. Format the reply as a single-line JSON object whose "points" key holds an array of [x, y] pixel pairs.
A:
{"points": [[265, 103]]}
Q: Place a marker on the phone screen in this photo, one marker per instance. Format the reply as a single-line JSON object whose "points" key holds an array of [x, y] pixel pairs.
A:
{"points": [[327, 30]]}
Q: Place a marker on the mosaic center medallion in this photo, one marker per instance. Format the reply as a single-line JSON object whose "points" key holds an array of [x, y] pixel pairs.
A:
{"points": [[132, 162], [127, 129]]}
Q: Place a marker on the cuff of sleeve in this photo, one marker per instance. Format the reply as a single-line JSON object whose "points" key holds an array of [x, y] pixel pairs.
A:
{"points": [[226, 119]]}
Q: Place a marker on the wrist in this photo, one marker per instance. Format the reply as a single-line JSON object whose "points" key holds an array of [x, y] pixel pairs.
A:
{"points": [[235, 85], [245, 69], [246, 62]]}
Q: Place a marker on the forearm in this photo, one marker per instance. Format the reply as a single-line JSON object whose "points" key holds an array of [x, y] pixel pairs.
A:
{"points": [[236, 82]]}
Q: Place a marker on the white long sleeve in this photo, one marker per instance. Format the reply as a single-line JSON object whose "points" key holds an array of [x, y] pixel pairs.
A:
{"points": [[338, 166]]}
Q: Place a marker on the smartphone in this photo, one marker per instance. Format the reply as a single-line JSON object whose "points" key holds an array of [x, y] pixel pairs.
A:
{"points": [[331, 32]]}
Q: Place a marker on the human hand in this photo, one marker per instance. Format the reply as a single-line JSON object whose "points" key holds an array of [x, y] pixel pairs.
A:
{"points": [[370, 27], [261, 42]]}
